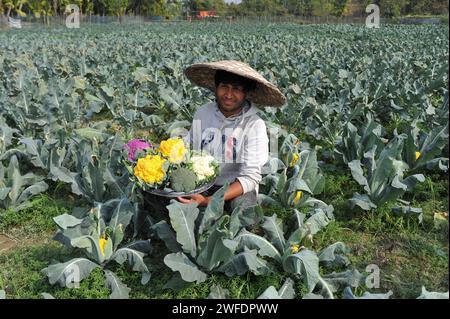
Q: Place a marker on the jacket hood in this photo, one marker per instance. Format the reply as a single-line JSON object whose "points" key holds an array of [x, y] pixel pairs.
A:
{"points": [[248, 110]]}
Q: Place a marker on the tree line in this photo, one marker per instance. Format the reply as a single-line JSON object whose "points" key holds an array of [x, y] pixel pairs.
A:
{"points": [[176, 8]]}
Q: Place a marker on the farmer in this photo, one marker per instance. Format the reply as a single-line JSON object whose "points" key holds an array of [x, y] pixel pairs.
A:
{"points": [[231, 130]]}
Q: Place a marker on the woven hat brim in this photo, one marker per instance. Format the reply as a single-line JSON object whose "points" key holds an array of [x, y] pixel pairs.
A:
{"points": [[264, 94]]}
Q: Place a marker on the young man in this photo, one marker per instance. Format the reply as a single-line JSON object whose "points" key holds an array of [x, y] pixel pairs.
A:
{"points": [[230, 128]]}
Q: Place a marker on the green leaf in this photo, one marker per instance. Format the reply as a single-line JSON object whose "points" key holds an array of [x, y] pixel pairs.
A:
{"points": [[122, 214], [216, 250], [91, 245], [363, 201], [332, 255], [337, 281], [306, 264], [273, 227], [358, 174], [118, 289], [62, 174], [214, 210], [182, 217], [318, 221], [243, 262], [270, 293], [65, 221], [348, 294], [432, 295], [176, 283], [91, 133], [108, 90], [287, 290], [32, 190], [135, 259], [71, 272], [241, 218], [187, 269], [166, 234], [253, 241], [217, 292]]}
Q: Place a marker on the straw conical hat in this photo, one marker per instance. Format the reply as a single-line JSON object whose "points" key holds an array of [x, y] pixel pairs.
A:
{"points": [[264, 94]]}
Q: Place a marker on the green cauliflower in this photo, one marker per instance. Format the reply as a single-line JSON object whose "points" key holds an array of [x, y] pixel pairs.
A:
{"points": [[183, 180]]}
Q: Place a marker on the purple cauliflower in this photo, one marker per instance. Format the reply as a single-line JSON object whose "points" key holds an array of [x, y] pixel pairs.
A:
{"points": [[135, 145]]}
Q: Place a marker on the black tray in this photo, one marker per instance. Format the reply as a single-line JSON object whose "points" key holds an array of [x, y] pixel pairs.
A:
{"points": [[166, 193]]}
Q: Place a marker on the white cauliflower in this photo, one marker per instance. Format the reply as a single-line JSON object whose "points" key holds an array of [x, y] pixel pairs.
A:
{"points": [[201, 165]]}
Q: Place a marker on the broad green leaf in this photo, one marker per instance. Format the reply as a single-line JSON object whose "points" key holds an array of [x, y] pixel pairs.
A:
{"points": [[253, 241], [348, 294], [243, 262], [306, 264], [182, 217], [337, 281], [214, 210], [332, 256], [358, 175], [65, 221], [187, 269], [216, 250], [287, 290], [432, 295], [69, 273], [135, 259], [217, 292], [363, 201], [118, 289], [166, 234], [273, 227], [318, 221], [270, 293]]}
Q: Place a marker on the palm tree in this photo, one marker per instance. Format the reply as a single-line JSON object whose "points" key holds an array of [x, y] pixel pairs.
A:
{"points": [[41, 8], [15, 5]]}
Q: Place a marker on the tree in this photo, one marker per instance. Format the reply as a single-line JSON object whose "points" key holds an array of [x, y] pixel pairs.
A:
{"points": [[15, 6], [322, 8], [392, 8], [42, 8], [116, 7], [299, 7], [261, 7], [340, 7]]}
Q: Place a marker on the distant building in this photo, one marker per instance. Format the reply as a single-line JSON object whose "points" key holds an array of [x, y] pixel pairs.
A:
{"points": [[206, 14]]}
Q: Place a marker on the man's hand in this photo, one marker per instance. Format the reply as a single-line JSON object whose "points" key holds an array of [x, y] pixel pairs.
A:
{"points": [[200, 199]]}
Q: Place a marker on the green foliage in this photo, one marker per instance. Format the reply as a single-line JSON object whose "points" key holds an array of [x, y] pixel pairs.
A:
{"points": [[199, 251], [16, 189], [59, 117], [183, 180], [385, 176], [99, 235]]}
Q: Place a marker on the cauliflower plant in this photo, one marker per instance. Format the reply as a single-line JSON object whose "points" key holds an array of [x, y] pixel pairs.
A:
{"points": [[202, 166]]}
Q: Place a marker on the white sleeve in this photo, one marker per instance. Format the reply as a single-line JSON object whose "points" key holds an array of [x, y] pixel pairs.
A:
{"points": [[254, 155]]}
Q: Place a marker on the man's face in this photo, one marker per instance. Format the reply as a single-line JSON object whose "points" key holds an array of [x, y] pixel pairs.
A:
{"points": [[230, 97]]}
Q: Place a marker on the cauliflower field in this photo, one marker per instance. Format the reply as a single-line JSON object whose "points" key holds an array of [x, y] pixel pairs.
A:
{"points": [[354, 203]]}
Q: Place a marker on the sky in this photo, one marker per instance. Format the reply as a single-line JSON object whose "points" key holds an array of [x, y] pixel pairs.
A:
{"points": [[230, 1]]}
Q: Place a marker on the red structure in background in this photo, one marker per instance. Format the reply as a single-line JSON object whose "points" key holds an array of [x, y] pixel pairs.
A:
{"points": [[200, 15]]}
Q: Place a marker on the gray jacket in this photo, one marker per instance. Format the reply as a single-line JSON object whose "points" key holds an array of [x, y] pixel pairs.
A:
{"points": [[239, 143]]}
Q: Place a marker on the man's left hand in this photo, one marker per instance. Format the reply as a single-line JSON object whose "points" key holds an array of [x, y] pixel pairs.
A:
{"points": [[198, 198]]}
